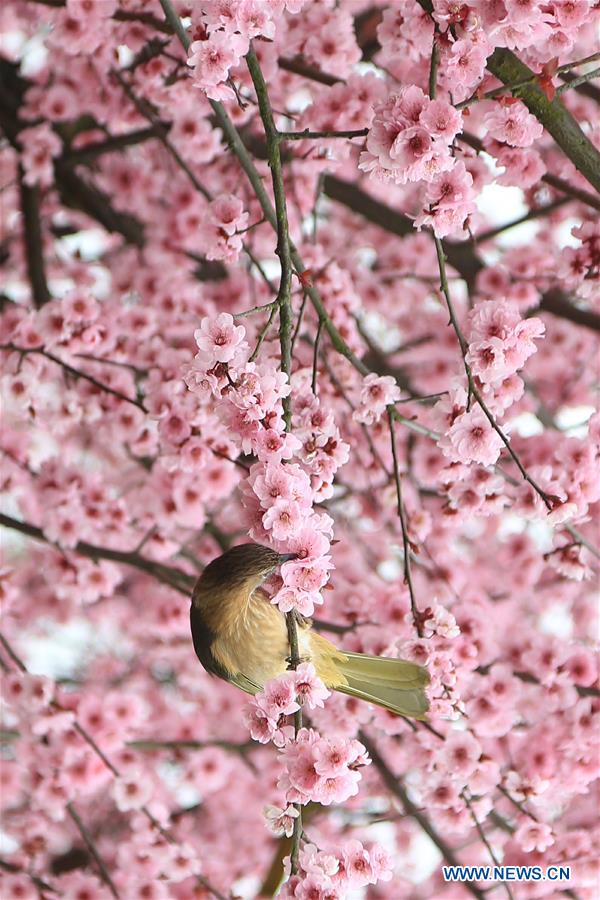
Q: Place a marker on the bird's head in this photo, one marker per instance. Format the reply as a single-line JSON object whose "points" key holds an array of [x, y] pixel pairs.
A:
{"points": [[247, 564]]}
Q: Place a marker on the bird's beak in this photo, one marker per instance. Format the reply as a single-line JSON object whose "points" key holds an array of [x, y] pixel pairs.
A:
{"points": [[285, 557]]}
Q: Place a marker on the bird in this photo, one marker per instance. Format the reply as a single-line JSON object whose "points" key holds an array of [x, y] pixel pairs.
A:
{"points": [[241, 637]]}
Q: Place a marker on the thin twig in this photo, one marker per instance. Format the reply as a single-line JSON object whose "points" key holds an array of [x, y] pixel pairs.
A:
{"points": [[473, 389], [255, 309], [307, 134], [75, 373], [191, 745], [283, 238], [316, 357], [416, 615], [575, 82], [531, 214], [170, 575], [299, 67], [484, 839], [263, 333], [396, 787], [93, 850]]}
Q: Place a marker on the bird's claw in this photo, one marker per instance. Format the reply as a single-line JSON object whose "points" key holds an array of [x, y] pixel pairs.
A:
{"points": [[296, 661]]}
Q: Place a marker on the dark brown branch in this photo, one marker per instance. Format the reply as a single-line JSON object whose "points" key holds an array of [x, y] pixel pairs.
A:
{"points": [[555, 302], [93, 850], [33, 240], [528, 678], [77, 193], [553, 181], [395, 786], [461, 257], [534, 213], [170, 575], [91, 152], [75, 373], [299, 67]]}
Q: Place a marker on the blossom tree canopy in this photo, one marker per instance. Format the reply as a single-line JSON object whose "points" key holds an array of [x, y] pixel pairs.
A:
{"points": [[324, 276]]}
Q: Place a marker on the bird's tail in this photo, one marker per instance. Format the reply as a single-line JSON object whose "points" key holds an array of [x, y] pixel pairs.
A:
{"points": [[394, 684]]}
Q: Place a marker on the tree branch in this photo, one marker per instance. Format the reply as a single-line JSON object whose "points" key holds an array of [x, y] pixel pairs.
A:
{"points": [[93, 850], [461, 257], [75, 373], [285, 340], [94, 746], [555, 118], [33, 240], [170, 575], [416, 614], [91, 152], [473, 389], [395, 786], [299, 67]]}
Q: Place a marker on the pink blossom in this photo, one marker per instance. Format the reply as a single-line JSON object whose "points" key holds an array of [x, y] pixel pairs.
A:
{"points": [[283, 519], [534, 836], [281, 821], [309, 689], [304, 602], [442, 119], [40, 146], [279, 697], [133, 791], [333, 757], [212, 59], [460, 754], [377, 393], [219, 340], [513, 124], [466, 62], [357, 864], [275, 446], [472, 439]]}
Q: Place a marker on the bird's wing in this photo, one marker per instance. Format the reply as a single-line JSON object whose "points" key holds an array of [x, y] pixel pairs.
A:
{"points": [[246, 684]]}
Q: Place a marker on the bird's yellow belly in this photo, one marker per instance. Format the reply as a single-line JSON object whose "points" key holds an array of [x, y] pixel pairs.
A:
{"points": [[256, 643]]}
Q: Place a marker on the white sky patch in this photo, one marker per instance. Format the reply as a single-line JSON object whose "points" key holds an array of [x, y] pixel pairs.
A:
{"points": [[574, 419], [62, 648], [501, 204], [526, 425], [556, 621]]}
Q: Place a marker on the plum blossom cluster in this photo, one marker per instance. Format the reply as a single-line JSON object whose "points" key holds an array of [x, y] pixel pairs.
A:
{"points": [[278, 494], [500, 342], [222, 35], [409, 141], [579, 267], [280, 698], [324, 770], [377, 393], [410, 136], [333, 874], [315, 768], [226, 219]]}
